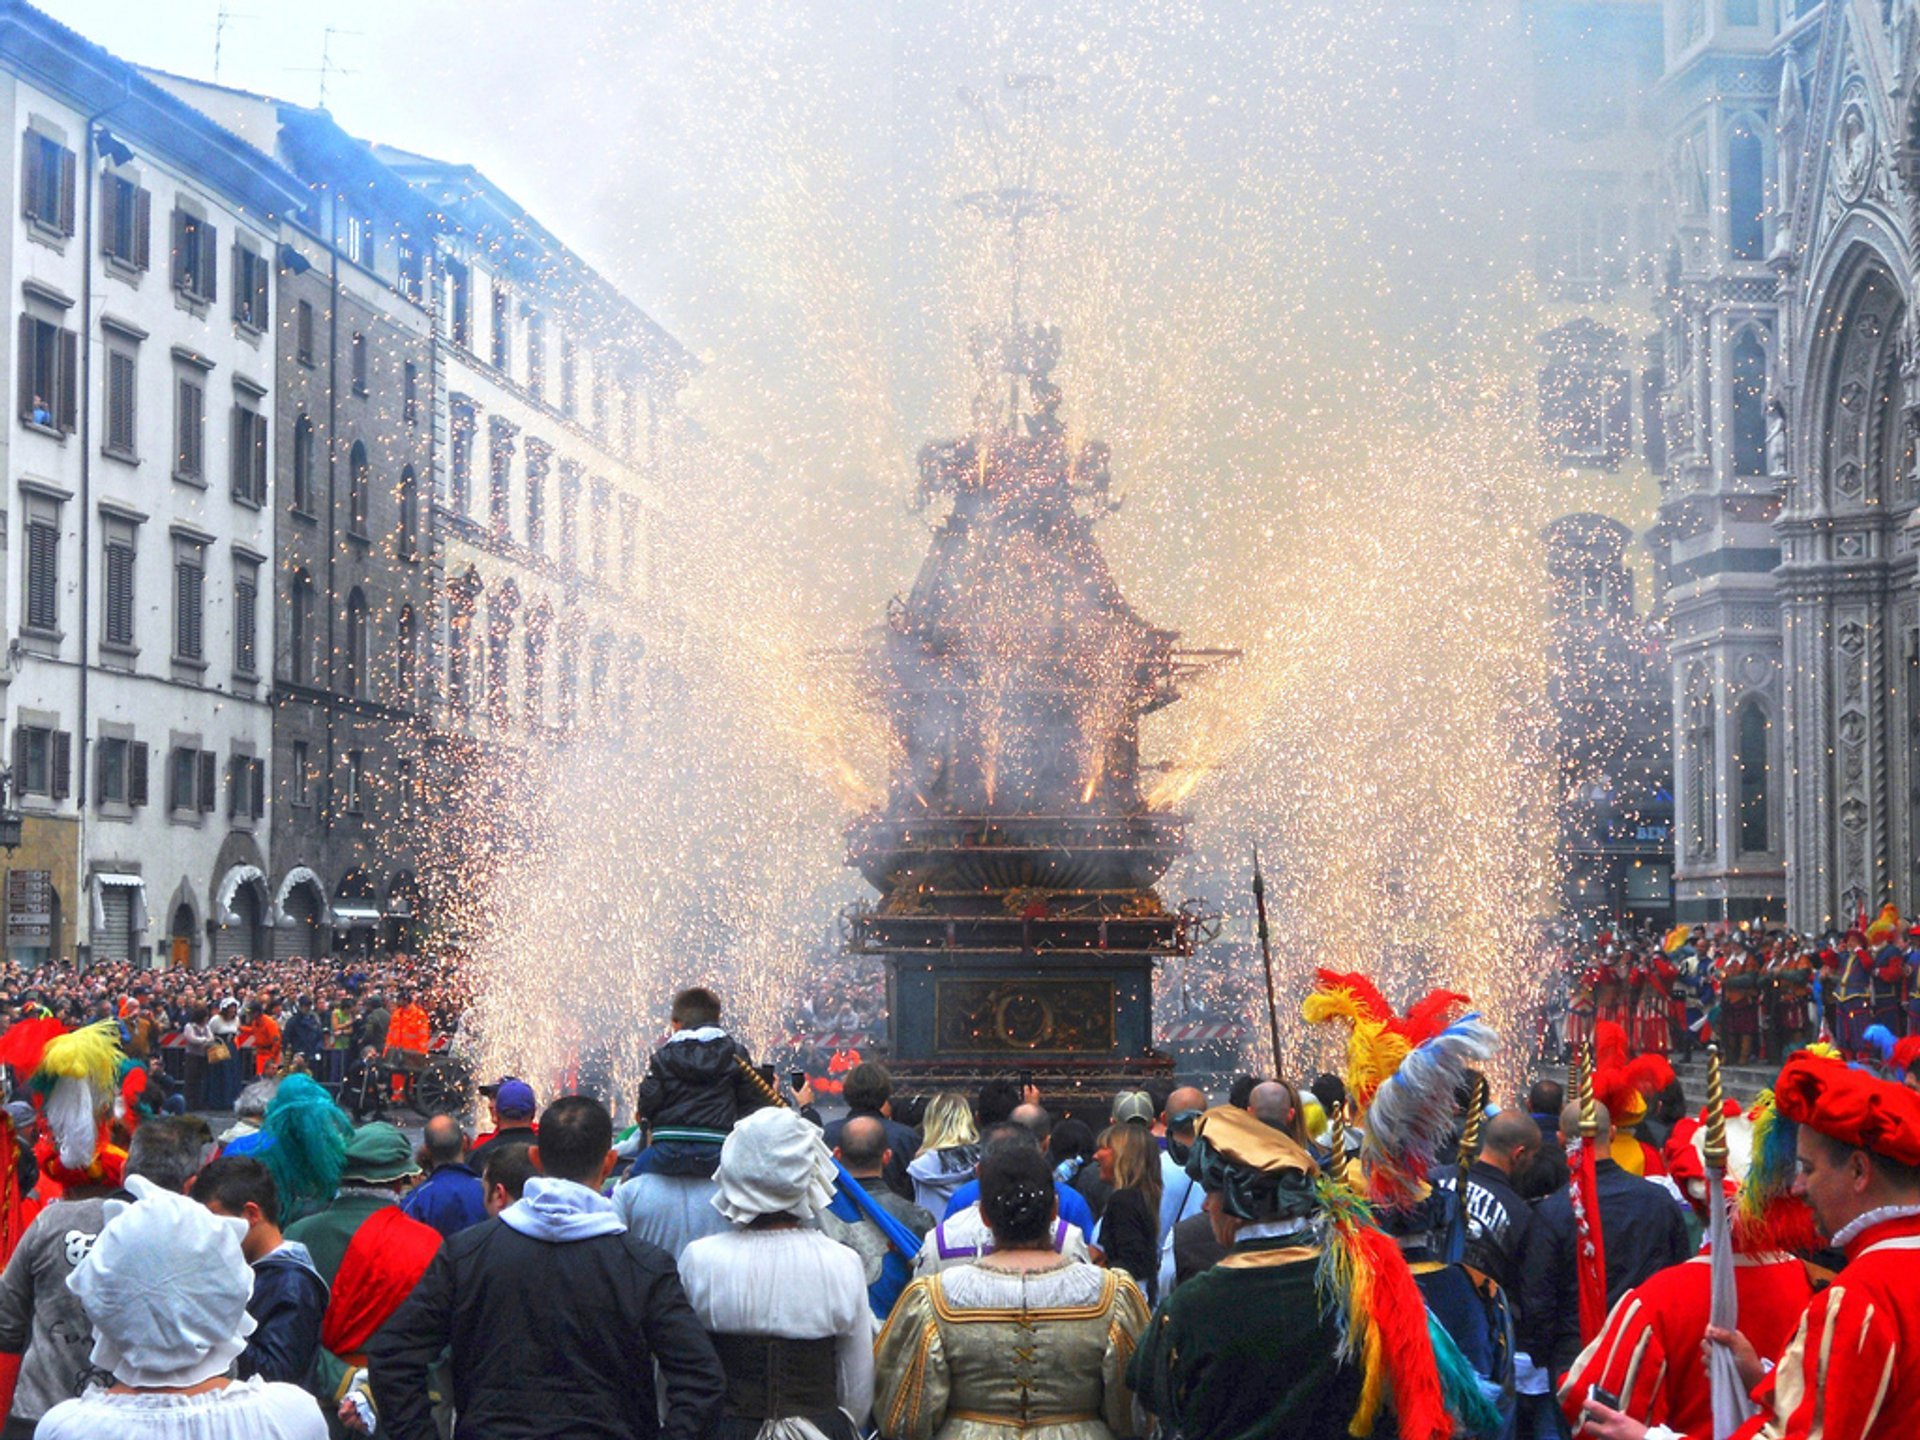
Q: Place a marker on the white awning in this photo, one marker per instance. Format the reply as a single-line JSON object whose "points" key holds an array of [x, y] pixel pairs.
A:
{"points": [[298, 875], [230, 884], [136, 902], [354, 915]]}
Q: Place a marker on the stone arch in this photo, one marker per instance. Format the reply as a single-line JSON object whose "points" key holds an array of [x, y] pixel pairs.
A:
{"points": [[1751, 763], [1853, 437]]}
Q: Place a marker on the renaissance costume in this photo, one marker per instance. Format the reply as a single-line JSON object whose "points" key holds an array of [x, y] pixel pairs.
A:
{"points": [[1851, 1371], [1312, 1327], [1648, 1353], [979, 1353]]}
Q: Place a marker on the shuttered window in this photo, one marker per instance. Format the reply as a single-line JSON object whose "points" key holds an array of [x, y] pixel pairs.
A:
{"points": [[46, 182], [249, 288], [122, 373], [126, 221], [189, 428], [182, 777], [209, 780], [49, 370], [43, 566], [189, 592], [249, 458], [246, 605], [303, 333], [137, 774], [110, 757], [196, 256], [119, 584]]}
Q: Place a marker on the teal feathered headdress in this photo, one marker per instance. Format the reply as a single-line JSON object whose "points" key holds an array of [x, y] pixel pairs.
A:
{"points": [[307, 1138]]}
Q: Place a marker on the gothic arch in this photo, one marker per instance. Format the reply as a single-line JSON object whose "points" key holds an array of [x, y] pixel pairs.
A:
{"points": [[1853, 432]]}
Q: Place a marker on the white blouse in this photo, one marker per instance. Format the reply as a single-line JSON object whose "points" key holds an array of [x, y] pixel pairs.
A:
{"points": [[794, 1283], [253, 1409]]}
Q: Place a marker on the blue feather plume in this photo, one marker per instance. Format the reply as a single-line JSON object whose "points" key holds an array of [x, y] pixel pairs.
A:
{"points": [[1882, 1040]]}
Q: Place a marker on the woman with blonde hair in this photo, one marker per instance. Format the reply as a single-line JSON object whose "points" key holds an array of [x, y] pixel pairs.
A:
{"points": [[949, 1149], [1130, 1225]]}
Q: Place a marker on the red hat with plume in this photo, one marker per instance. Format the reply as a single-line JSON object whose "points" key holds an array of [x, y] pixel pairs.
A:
{"points": [[1851, 1106]]}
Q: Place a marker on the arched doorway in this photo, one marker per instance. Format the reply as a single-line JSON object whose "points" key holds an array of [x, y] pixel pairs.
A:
{"points": [[356, 912], [181, 939], [299, 930], [238, 931]]}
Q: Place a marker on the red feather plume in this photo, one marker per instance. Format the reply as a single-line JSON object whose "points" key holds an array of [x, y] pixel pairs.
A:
{"points": [[1650, 1074], [25, 1041], [1609, 1045], [1419, 1407], [1365, 992], [1429, 1015]]}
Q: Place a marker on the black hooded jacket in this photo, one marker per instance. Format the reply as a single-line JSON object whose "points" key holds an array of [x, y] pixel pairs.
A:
{"points": [[699, 1079]]}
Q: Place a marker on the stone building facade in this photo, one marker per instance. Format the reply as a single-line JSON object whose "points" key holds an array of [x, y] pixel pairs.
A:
{"points": [[1790, 501], [139, 523], [353, 579]]}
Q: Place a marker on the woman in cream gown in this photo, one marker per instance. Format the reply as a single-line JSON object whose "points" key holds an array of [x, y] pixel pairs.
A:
{"points": [[1023, 1344]]}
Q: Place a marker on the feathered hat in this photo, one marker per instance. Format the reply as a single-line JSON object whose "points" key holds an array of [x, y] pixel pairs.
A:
{"points": [[74, 1085], [1885, 927], [1405, 1072]]}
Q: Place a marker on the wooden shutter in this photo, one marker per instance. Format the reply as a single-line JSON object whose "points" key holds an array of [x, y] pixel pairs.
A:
{"points": [[180, 237], [111, 190], [137, 773], [209, 780], [142, 227], [236, 767], [210, 260], [66, 191], [239, 458], [43, 558], [260, 292], [26, 365], [100, 772], [257, 788], [66, 410], [30, 153], [259, 459], [19, 785], [62, 764], [239, 284], [120, 383]]}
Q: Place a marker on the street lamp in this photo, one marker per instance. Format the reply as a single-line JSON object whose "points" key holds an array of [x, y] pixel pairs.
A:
{"points": [[10, 819]]}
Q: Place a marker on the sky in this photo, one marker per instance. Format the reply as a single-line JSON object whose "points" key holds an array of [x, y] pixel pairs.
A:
{"points": [[525, 91]]}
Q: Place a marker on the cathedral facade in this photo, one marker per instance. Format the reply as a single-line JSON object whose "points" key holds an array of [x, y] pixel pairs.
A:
{"points": [[1788, 510]]}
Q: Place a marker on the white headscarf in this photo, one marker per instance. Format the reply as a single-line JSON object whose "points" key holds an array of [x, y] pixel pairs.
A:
{"points": [[166, 1288], [774, 1163]]}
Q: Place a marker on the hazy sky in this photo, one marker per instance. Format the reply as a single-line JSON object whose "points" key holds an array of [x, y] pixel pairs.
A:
{"points": [[502, 84]]}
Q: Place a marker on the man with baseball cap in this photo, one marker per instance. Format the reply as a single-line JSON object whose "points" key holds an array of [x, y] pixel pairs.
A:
{"points": [[1852, 1370], [511, 1103]]}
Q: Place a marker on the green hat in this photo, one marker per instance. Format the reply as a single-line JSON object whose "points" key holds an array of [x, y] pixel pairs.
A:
{"points": [[378, 1154]]}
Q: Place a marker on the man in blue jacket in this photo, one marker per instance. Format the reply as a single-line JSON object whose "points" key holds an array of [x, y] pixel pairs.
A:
{"points": [[451, 1198], [289, 1300]]}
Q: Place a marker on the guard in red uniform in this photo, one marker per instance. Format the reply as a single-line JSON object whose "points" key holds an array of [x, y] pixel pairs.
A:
{"points": [[1649, 1351], [1852, 1369]]}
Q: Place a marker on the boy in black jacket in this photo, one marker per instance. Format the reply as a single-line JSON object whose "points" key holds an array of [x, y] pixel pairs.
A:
{"points": [[697, 1085]]}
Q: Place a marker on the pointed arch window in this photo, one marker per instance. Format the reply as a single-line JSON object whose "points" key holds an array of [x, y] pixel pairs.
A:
{"points": [[1756, 831], [408, 540], [405, 656], [1748, 422], [1746, 194], [303, 465], [357, 674], [360, 486]]}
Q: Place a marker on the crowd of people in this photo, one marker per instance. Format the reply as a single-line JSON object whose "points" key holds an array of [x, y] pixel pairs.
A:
{"points": [[206, 1035], [1761, 990], [1390, 1251]]}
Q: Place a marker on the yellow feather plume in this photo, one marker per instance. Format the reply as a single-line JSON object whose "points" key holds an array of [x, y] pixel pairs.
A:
{"points": [[1374, 1052], [91, 1053]]}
